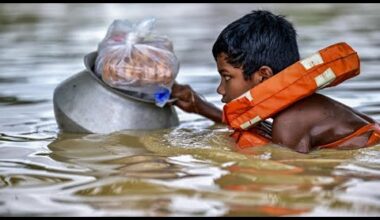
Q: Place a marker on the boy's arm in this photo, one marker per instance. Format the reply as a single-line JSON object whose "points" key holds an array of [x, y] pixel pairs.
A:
{"points": [[364, 116], [189, 101], [283, 134], [291, 127]]}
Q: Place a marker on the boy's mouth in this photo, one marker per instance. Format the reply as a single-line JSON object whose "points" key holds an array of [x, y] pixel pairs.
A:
{"points": [[223, 99]]}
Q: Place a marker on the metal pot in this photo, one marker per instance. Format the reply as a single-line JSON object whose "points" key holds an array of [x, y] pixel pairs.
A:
{"points": [[83, 103]]}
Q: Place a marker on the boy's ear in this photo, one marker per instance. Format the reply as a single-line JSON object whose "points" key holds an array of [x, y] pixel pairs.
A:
{"points": [[264, 73]]}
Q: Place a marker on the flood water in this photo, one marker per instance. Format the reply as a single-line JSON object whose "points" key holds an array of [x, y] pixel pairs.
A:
{"points": [[189, 170]]}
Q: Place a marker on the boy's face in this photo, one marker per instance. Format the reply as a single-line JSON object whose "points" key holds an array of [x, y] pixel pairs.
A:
{"points": [[232, 83]]}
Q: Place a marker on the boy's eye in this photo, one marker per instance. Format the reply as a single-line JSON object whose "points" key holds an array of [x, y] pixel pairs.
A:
{"points": [[227, 78]]}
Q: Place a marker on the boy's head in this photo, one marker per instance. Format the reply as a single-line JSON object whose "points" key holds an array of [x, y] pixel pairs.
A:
{"points": [[252, 49]]}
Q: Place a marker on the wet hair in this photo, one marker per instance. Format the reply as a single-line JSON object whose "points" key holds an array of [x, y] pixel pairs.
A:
{"points": [[257, 39]]}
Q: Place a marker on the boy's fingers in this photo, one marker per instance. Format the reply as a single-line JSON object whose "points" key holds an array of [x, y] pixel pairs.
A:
{"points": [[176, 87], [183, 95], [182, 105]]}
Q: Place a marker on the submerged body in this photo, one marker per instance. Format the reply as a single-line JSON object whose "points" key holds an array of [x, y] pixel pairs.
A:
{"points": [[253, 49], [308, 124]]}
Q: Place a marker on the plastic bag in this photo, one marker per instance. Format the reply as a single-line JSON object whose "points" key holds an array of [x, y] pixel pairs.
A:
{"points": [[132, 58]]}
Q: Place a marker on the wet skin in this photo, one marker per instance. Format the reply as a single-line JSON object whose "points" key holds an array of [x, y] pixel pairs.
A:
{"points": [[323, 120]]}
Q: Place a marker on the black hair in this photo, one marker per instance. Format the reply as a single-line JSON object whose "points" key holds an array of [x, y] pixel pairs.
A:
{"points": [[256, 39]]}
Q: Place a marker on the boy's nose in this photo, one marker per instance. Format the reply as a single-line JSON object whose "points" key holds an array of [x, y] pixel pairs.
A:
{"points": [[220, 90]]}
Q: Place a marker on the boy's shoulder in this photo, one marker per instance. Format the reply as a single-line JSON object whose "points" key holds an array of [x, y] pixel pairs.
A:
{"points": [[295, 125], [313, 112], [314, 107], [316, 112]]}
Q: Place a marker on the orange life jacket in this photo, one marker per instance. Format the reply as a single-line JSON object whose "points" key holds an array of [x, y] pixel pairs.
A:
{"points": [[326, 68]]}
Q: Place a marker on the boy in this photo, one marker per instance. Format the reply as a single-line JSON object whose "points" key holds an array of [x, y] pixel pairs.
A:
{"points": [[256, 47]]}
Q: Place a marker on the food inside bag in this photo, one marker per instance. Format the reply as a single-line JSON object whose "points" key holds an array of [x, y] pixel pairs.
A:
{"points": [[131, 58]]}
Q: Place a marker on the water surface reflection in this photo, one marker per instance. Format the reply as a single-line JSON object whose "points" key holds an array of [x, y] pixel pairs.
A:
{"points": [[190, 170]]}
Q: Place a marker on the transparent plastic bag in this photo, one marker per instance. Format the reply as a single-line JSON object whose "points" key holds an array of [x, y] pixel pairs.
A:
{"points": [[132, 58]]}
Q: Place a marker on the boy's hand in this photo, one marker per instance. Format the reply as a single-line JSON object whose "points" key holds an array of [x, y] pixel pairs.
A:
{"points": [[187, 99]]}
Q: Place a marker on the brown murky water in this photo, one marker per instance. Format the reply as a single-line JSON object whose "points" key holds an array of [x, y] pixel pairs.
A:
{"points": [[190, 170]]}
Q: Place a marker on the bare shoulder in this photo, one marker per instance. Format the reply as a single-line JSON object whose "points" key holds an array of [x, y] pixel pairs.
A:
{"points": [[310, 109], [292, 126], [315, 120]]}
